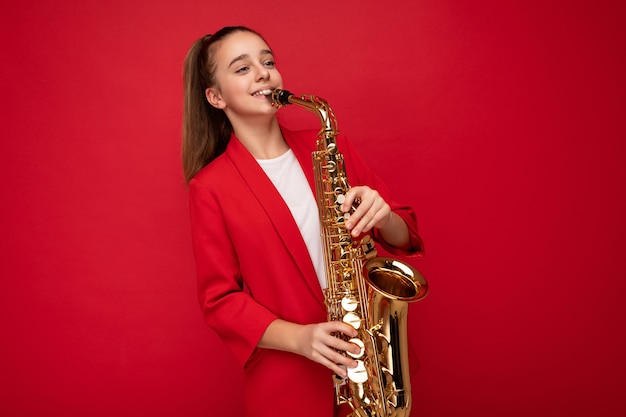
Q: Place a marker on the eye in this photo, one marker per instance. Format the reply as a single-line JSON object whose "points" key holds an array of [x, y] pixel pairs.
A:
{"points": [[242, 69], [269, 64]]}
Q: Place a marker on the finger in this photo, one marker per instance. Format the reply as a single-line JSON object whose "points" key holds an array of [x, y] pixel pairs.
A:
{"points": [[349, 347], [341, 359], [342, 345], [378, 216], [362, 212], [340, 326], [370, 218], [337, 343], [377, 220], [349, 199], [354, 195], [337, 369], [334, 360], [329, 363]]}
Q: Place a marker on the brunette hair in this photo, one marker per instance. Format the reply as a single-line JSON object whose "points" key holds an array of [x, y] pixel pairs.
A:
{"points": [[206, 129]]}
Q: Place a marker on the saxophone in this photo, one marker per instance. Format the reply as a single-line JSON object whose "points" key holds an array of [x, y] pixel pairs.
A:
{"points": [[368, 292]]}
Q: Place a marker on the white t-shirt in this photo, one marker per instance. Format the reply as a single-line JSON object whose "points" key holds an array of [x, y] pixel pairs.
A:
{"points": [[289, 179]]}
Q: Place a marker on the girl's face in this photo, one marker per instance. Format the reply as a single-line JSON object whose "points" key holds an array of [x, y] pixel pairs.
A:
{"points": [[244, 72]]}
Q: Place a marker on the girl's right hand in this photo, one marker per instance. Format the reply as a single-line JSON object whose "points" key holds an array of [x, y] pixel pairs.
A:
{"points": [[316, 342]]}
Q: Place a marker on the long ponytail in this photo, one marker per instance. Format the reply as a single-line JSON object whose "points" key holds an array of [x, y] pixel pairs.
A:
{"points": [[206, 129]]}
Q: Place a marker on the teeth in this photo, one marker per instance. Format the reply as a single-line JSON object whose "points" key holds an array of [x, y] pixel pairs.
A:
{"points": [[263, 93]]}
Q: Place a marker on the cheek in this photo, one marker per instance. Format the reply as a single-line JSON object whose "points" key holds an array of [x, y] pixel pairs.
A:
{"points": [[232, 88], [279, 78], [240, 84]]}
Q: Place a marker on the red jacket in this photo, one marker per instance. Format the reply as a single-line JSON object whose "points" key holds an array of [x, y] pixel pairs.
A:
{"points": [[253, 267]]}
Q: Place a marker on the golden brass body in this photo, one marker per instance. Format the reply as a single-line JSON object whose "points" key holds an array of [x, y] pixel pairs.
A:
{"points": [[368, 292]]}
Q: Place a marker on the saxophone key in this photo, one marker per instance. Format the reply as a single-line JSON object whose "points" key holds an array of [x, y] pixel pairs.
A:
{"points": [[349, 303], [358, 374], [361, 346], [353, 320]]}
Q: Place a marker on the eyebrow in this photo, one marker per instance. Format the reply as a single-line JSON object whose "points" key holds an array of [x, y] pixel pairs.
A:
{"points": [[244, 56]]}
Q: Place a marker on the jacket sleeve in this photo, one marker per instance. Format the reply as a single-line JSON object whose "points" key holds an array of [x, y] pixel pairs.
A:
{"points": [[227, 306], [359, 173]]}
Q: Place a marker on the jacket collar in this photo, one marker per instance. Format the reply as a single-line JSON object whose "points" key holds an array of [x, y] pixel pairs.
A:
{"points": [[273, 204]]}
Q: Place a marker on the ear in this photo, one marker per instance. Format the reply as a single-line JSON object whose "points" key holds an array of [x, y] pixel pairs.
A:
{"points": [[214, 98]]}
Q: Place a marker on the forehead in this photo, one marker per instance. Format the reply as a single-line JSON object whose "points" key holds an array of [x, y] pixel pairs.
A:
{"points": [[240, 44]]}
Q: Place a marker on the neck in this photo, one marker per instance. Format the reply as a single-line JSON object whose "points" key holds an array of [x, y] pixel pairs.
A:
{"points": [[263, 140]]}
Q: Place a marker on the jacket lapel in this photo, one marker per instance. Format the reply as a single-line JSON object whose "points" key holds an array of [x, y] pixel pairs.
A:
{"points": [[276, 209]]}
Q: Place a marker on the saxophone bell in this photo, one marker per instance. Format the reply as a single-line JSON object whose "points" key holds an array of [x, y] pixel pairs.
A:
{"points": [[395, 279]]}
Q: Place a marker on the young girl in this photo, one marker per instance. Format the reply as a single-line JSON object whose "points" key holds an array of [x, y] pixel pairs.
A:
{"points": [[256, 232]]}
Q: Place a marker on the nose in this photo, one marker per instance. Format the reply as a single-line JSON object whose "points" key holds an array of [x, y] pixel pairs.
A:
{"points": [[262, 74]]}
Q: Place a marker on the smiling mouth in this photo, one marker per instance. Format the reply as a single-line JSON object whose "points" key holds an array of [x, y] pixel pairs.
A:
{"points": [[265, 92]]}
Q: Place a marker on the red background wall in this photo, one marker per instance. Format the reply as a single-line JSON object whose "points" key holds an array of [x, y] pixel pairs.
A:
{"points": [[501, 122]]}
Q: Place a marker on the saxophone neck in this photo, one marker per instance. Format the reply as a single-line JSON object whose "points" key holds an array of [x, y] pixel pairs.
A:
{"points": [[317, 105]]}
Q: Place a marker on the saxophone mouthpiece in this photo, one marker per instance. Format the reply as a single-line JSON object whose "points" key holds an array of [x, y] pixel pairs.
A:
{"points": [[280, 97]]}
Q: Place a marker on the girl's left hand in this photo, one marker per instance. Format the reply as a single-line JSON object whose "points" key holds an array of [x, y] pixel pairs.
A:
{"points": [[372, 210]]}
